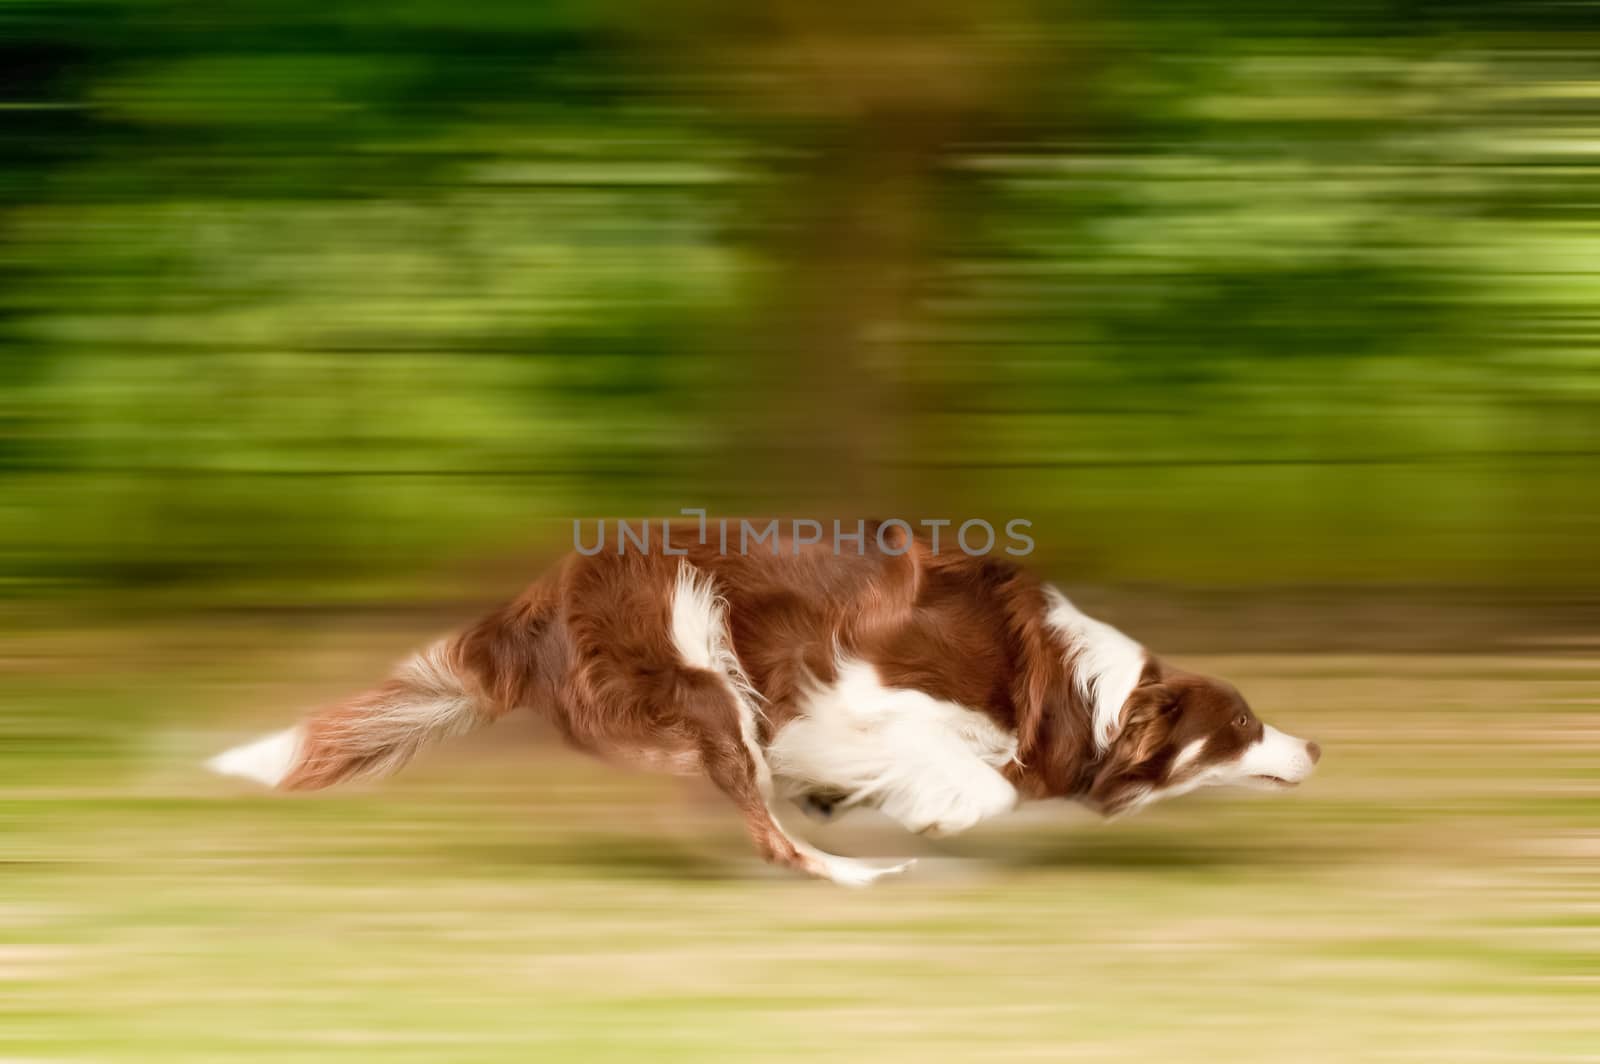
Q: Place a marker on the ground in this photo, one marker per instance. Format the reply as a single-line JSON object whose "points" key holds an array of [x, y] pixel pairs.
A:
{"points": [[1429, 895]]}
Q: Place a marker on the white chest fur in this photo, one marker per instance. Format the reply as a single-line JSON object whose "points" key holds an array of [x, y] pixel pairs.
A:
{"points": [[930, 764]]}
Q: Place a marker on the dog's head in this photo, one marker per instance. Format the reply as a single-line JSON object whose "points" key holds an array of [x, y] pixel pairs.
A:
{"points": [[1181, 731]]}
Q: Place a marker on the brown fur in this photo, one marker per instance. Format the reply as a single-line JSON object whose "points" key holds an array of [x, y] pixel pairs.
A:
{"points": [[590, 646]]}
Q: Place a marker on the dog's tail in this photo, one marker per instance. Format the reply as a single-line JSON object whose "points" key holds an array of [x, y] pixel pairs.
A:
{"points": [[455, 686]]}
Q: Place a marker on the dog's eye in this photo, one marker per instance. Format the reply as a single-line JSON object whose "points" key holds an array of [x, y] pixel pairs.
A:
{"points": [[1243, 721]]}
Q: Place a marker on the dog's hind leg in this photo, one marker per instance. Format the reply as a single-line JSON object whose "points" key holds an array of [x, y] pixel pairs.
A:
{"points": [[717, 705], [733, 761]]}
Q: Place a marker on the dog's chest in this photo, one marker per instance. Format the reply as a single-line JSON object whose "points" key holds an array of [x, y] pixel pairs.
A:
{"points": [[860, 742]]}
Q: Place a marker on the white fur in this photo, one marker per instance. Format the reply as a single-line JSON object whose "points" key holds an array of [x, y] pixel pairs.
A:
{"points": [[266, 761], [931, 765], [1275, 756], [700, 635], [383, 729], [1106, 664], [435, 700], [847, 872], [1186, 755], [387, 727]]}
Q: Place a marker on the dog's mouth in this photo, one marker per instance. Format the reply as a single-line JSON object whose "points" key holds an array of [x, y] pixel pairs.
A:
{"points": [[1275, 781]]}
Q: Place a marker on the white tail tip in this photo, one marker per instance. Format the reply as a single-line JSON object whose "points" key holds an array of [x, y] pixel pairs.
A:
{"points": [[267, 760]]}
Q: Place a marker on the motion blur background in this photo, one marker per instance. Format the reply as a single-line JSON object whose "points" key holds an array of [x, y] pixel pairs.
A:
{"points": [[320, 322]]}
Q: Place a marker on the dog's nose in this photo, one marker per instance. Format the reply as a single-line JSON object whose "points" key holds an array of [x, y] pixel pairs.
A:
{"points": [[1315, 751]]}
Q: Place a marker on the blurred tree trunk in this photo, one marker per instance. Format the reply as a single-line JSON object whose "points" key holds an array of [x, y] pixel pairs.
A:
{"points": [[825, 352], [857, 111]]}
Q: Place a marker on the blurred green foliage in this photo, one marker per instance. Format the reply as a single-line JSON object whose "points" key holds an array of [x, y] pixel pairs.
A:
{"points": [[319, 300]]}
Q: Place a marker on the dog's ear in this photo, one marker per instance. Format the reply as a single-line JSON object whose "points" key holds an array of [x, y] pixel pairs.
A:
{"points": [[1150, 701], [1131, 768], [1146, 723]]}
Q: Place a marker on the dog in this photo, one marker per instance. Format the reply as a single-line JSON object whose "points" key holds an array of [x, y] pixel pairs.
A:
{"points": [[940, 688]]}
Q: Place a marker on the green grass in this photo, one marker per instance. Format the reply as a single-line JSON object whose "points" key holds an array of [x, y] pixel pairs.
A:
{"points": [[1429, 896]]}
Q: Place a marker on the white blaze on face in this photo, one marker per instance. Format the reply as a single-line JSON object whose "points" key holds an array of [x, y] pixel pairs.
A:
{"points": [[1186, 755], [1272, 762], [1273, 759]]}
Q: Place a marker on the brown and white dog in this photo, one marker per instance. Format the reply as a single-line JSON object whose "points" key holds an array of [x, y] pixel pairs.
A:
{"points": [[940, 689]]}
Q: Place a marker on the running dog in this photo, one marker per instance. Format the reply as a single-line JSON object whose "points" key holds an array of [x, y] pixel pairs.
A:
{"points": [[939, 688]]}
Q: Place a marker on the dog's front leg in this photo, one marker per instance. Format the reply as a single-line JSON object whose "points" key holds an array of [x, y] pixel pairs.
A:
{"points": [[947, 789]]}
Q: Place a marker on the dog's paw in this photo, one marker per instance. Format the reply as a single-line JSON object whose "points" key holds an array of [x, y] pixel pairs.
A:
{"points": [[849, 873]]}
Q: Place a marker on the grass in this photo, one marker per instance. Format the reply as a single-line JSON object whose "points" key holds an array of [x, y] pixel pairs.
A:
{"points": [[1429, 896]]}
